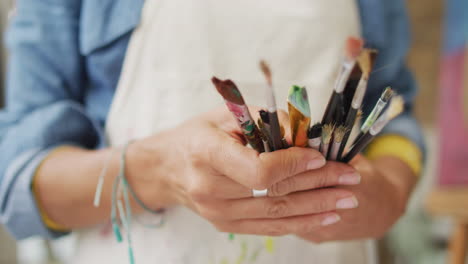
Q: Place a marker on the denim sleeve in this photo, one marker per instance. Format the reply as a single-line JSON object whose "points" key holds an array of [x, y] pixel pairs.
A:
{"points": [[391, 38], [44, 105]]}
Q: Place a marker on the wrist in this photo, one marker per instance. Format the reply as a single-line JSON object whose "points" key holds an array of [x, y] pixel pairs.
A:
{"points": [[144, 173]]}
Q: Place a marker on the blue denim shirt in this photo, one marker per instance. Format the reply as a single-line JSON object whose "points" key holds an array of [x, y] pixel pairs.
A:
{"points": [[65, 61]]}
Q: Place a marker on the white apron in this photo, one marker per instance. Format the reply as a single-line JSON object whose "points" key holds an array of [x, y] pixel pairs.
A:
{"points": [[177, 48]]}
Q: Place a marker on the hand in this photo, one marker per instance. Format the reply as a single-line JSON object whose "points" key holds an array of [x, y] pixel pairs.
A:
{"points": [[203, 164], [383, 194]]}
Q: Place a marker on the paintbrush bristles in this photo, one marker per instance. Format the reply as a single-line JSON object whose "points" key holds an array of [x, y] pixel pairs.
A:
{"points": [[358, 116], [266, 71], [327, 133], [365, 63], [396, 107], [340, 133], [387, 94], [353, 47]]}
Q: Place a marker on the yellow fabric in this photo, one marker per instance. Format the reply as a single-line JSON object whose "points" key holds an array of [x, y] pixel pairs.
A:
{"points": [[45, 218], [397, 146]]}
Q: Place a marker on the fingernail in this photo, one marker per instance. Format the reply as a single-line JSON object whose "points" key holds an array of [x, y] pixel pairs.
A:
{"points": [[349, 179], [330, 220], [347, 203], [316, 164]]}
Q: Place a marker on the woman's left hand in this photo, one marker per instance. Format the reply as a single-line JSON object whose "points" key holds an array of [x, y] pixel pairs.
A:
{"points": [[383, 193]]}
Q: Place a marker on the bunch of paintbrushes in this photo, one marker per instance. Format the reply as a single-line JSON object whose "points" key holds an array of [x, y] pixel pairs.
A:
{"points": [[343, 112]]}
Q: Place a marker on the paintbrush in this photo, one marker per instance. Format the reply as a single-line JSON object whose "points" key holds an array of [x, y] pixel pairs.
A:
{"points": [[315, 136], [352, 51], [264, 125], [375, 113], [395, 108], [327, 134], [236, 104], [365, 60], [274, 127], [264, 135], [299, 115], [338, 136]]}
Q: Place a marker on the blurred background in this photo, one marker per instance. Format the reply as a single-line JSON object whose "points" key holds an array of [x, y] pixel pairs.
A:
{"points": [[421, 236]]}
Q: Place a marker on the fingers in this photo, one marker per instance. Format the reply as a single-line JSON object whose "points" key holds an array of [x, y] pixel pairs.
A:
{"points": [[332, 174], [260, 171], [279, 227], [303, 203], [282, 164]]}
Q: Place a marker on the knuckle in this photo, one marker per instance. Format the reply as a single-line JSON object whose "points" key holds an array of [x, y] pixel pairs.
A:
{"points": [[322, 179], [331, 172], [290, 163], [196, 191], [276, 189], [322, 205], [284, 187], [277, 209], [196, 157]]}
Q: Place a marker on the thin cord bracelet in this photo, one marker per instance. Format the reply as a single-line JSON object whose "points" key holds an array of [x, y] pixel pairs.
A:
{"points": [[100, 185], [125, 212]]}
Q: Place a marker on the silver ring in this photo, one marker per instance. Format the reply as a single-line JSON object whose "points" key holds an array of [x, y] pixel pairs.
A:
{"points": [[259, 193]]}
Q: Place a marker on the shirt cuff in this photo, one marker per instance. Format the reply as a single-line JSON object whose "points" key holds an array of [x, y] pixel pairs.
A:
{"points": [[397, 146], [19, 211]]}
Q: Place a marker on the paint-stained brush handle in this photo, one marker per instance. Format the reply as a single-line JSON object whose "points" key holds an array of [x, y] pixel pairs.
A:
{"points": [[236, 105]]}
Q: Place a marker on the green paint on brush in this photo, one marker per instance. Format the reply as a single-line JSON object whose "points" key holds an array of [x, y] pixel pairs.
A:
{"points": [[249, 127], [298, 98], [236, 92]]}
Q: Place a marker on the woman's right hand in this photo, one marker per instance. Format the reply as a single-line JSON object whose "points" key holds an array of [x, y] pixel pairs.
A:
{"points": [[203, 164]]}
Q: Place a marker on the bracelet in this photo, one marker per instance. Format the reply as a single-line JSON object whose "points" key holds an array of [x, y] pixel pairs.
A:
{"points": [[101, 179], [124, 212]]}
